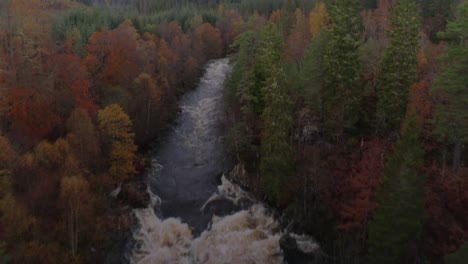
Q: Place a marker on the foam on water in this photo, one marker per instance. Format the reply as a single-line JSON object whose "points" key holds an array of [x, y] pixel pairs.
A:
{"points": [[248, 236], [180, 224]]}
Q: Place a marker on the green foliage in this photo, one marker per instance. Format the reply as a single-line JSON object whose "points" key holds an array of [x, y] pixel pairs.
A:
{"points": [[450, 89], [398, 69], [246, 78], [276, 163], [311, 76], [458, 257], [342, 68], [4, 258], [286, 21], [435, 14], [452, 116], [396, 226]]}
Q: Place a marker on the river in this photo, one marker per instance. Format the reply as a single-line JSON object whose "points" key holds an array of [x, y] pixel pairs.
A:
{"points": [[195, 215]]}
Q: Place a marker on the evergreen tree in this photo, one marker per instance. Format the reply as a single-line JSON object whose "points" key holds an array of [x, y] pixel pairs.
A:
{"points": [[396, 227], [451, 117], [287, 17], [398, 69], [250, 76], [276, 162], [341, 68], [311, 77]]}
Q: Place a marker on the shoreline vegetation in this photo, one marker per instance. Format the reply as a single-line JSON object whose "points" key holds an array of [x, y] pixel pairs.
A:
{"points": [[349, 116]]}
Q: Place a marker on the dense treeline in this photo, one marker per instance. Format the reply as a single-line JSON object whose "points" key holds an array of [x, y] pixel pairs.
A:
{"points": [[350, 116], [81, 89], [353, 118]]}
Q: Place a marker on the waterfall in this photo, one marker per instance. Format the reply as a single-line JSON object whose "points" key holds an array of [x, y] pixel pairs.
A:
{"points": [[192, 218]]}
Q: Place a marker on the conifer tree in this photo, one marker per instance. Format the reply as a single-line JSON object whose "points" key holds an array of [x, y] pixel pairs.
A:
{"points": [[341, 68], [398, 69], [451, 85], [397, 221], [276, 162]]}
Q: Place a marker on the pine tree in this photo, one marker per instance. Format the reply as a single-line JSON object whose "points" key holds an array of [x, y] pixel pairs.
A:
{"points": [[276, 162], [341, 68], [311, 76], [398, 219], [451, 85], [398, 69]]}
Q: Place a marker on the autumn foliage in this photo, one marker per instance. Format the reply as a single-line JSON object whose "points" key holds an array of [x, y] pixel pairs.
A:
{"points": [[357, 190]]}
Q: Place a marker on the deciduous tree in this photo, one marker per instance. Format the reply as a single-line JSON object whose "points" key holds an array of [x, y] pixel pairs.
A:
{"points": [[116, 127]]}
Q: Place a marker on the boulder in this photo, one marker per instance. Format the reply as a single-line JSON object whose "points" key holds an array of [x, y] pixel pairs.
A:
{"points": [[300, 249], [239, 176], [137, 195]]}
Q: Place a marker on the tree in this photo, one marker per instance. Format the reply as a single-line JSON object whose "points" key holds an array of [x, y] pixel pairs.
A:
{"points": [[359, 188], [276, 162], [7, 155], [451, 86], [116, 128], [318, 18], [398, 68], [82, 137], [16, 222], [77, 199], [30, 115], [376, 23], [396, 226], [311, 76], [286, 19], [297, 41], [342, 68], [208, 39], [113, 57]]}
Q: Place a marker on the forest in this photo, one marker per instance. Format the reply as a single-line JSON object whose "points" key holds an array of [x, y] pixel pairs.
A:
{"points": [[349, 116]]}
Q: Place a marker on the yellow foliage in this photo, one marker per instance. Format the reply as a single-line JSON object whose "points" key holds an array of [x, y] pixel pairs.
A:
{"points": [[116, 125], [318, 18], [15, 220], [7, 153]]}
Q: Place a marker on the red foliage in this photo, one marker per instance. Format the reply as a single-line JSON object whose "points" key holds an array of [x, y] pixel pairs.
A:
{"points": [[357, 189], [113, 55], [30, 115], [420, 100], [297, 41], [207, 42], [83, 99], [447, 204]]}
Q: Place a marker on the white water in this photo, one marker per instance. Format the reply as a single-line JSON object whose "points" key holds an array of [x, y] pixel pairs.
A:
{"points": [[245, 237], [183, 175]]}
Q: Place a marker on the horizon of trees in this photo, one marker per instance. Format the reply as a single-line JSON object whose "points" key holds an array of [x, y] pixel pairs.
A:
{"points": [[348, 115]]}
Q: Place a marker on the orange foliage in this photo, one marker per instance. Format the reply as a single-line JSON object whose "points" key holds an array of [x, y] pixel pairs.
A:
{"points": [[275, 15], [358, 189], [209, 38], [80, 91], [420, 100], [447, 205], [113, 55], [297, 41]]}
